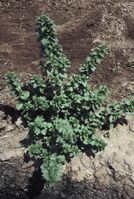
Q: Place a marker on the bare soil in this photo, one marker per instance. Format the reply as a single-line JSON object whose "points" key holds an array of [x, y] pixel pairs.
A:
{"points": [[81, 25]]}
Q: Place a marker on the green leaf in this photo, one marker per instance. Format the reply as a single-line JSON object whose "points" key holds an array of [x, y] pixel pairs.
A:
{"points": [[19, 106], [98, 61], [24, 95], [34, 149]]}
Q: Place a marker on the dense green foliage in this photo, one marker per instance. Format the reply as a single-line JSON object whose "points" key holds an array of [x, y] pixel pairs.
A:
{"points": [[62, 111]]}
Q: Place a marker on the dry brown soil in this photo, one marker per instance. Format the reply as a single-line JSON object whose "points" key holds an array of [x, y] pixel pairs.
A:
{"points": [[81, 24]]}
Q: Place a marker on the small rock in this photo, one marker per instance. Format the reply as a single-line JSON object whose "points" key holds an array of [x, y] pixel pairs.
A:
{"points": [[18, 122]]}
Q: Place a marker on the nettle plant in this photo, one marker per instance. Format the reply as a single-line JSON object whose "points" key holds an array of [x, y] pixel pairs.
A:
{"points": [[62, 111]]}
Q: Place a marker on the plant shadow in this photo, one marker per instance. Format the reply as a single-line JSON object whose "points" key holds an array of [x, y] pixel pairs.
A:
{"points": [[36, 184], [122, 120], [10, 111]]}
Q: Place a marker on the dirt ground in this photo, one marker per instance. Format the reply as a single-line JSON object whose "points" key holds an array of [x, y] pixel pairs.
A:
{"points": [[81, 25]]}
